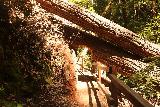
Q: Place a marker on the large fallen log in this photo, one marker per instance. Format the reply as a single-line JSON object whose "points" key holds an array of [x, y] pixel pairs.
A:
{"points": [[78, 37], [102, 51], [105, 29], [128, 66]]}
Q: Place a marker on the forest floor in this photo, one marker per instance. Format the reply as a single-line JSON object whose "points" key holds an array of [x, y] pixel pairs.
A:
{"points": [[90, 92]]}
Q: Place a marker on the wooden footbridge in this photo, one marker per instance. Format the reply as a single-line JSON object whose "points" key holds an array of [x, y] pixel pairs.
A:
{"points": [[90, 92], [109, 44], [97, 91]]}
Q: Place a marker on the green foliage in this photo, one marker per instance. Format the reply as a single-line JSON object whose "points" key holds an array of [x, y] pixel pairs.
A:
{"points": [[99, 5], [87, 60], [84, 3], [146, 82], [4, 103], [86, 57], [152, 30], [131, 14]]}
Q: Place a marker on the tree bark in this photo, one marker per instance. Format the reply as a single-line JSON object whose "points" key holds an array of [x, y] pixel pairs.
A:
{"points": [[107, 8], [104, 28], [155, 7]]}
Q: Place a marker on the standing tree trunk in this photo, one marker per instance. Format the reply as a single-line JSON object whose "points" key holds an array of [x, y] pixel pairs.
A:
{"points": [[124, 13], [155, 7]]}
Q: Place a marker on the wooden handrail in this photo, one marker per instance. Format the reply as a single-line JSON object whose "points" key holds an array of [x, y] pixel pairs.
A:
{"points": [[117, 85]]}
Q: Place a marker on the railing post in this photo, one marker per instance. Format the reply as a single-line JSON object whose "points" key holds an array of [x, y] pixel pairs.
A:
{"points": [[114, 95], [114, 92], [99, 72], [82, 63]]}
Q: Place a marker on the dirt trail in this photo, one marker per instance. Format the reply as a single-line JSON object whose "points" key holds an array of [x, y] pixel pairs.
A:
{"points": [[89, 92]]}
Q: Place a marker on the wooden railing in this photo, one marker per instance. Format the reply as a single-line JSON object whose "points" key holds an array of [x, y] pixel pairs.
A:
{"points": [[117, 87]]}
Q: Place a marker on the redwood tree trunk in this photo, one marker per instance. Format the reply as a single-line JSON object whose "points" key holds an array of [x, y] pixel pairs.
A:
{"points": [[104, 28]]}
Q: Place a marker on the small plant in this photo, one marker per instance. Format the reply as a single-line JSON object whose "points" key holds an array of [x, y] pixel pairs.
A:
{"points": [[146, 82]]}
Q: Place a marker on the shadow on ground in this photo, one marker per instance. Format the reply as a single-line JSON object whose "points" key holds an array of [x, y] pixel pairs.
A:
{"points": [[89, 80]]}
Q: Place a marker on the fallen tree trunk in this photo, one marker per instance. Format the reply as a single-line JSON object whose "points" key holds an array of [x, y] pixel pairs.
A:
{"points": [[105, 29], [103, 51], [128, 66], [77, 37]]}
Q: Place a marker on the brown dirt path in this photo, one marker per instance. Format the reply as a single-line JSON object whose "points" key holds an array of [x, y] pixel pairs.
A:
{"points": [[89, 93]]}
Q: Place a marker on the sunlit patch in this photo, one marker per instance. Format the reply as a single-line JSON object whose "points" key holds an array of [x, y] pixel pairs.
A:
{"points": [[84, 52], [81, 85]]}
